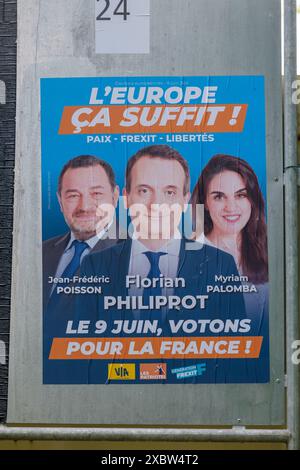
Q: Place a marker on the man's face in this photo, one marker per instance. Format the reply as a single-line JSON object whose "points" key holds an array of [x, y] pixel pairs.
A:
{"points": [[87, 200], [156, 199]]}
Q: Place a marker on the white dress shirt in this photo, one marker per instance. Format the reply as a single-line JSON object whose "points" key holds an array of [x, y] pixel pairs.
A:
{"points": [[140, 265]]}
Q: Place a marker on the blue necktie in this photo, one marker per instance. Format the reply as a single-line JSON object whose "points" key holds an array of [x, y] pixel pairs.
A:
{"points": [[154, 272], [72, 267], [74, 264]]}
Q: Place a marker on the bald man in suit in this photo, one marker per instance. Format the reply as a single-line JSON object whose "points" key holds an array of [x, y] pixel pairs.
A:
{"points": [[88, 195], [86, 185]]}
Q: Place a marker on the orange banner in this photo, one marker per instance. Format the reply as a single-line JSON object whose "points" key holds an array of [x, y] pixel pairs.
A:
{"points": [[156, 348], [157, 119]]}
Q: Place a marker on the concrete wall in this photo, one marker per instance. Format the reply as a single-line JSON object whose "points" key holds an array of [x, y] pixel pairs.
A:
{"points": [[7, 135]]}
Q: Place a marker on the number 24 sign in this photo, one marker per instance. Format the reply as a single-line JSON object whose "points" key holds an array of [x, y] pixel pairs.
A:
{"points": [[122, 26], [108, 10]]}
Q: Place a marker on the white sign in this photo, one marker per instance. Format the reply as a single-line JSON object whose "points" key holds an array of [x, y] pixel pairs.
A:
{"points": [[2, 353], [122, 26], [2, 92]]}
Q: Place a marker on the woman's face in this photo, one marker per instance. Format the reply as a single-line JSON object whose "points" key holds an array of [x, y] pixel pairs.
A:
{"points": [[228, 203]]}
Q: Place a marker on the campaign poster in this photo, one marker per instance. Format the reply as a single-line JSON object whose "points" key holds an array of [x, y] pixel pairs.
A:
{"points": [[155, 259]]}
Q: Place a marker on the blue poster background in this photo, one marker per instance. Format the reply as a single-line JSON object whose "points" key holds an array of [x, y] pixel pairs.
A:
{"points": [[56, 93], [57, 149]]}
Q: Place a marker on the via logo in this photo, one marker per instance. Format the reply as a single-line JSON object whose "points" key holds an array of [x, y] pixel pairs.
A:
{"points": [[121, 372]]}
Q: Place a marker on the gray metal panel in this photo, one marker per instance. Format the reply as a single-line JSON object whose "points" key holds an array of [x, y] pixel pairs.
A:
{"points": [[188, 37]]}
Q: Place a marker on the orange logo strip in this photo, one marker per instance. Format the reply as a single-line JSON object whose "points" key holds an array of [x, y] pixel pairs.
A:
{"points": [[156, 348], [153, 118]]}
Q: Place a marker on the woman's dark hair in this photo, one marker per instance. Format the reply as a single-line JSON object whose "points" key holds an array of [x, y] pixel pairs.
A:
{"points": [[254, 252]]}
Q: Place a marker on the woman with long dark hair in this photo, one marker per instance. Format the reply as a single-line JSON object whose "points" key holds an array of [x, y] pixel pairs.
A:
{"points": [[234, 214], [234, 221]]}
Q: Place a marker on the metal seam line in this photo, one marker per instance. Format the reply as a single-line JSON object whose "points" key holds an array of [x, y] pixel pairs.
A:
{"points": [[291, 221], [142, 434]]}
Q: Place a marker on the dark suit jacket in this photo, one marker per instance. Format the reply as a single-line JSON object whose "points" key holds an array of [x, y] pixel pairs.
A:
{"points": [[55, 318], [52, 252], [198, 267]]}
